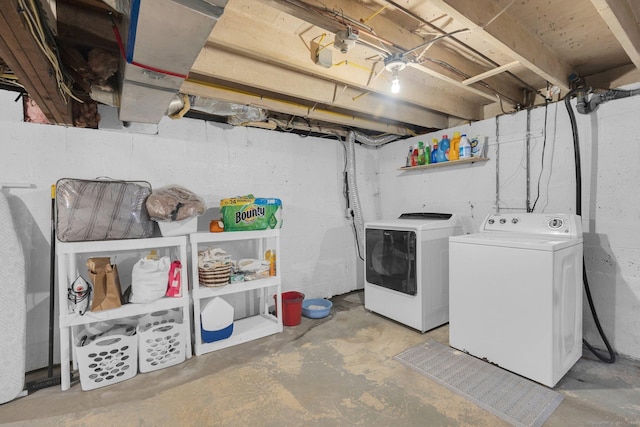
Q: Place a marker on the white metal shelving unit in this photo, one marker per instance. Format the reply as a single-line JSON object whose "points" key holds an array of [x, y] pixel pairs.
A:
{"points": [[248, 328], [69, 253]]}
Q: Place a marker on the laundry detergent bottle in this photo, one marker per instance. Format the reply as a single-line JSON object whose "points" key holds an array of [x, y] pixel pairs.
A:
{"points": [[444, 146], [421, 159], [465, 147], [434, 151], [455, 147], [409, 156]]}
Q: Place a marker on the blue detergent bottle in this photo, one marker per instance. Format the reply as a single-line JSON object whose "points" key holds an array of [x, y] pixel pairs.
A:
{"points": [[434, 151], [444, 146]]}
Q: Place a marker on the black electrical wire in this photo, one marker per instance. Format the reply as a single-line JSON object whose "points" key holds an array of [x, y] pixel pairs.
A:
{"points": [[576, 151], [355, 233], [544, 145]]}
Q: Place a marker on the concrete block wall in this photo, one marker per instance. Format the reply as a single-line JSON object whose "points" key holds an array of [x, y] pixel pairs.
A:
{"points": [[318, 250], [215, 161], [610, 155]]}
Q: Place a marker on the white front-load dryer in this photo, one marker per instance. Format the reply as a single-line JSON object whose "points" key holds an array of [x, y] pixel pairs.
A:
{"points": [[407, 267], [515, 293]]}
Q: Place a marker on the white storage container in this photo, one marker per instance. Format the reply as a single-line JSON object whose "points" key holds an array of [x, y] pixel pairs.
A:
{"points": [[178, 228]]}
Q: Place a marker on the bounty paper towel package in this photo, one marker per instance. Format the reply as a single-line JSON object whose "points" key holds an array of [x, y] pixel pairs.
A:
{"points": [[250, 213]]}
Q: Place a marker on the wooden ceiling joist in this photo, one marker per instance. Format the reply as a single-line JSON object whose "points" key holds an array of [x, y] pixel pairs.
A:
{"points": [[22, 54], [73, 29], [490, 73], [249, 72], [499, 28], [619, 16], [402, 39]]}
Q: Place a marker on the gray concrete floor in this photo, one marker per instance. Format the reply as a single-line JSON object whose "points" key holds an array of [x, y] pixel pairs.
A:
{"points": [[336, 371]]}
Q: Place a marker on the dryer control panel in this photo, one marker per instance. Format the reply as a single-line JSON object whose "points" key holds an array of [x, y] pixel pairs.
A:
{"points": [[565, 225]]}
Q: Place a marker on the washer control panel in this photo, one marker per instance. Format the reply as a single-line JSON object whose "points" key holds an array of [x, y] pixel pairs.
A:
{"points": [[566, 225]]}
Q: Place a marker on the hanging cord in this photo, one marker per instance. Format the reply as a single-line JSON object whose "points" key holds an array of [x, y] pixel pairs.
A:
{"points": [[576, 151], [544, 145]]}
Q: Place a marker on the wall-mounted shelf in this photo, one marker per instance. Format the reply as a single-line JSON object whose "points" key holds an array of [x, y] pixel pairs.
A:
{"points": [[443, 164]]}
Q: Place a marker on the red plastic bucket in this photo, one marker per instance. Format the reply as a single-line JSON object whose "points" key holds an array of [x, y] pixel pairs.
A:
{"points": [[291, 307]]}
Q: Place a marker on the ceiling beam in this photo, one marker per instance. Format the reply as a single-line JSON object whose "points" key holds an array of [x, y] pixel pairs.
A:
{"points": [[397, 38], [73, 28], [492, 72], [493, 22], [19, 50], [285, 50], [618, 77], [619, 16], [487, 95], [262, 76], [193, 86]]}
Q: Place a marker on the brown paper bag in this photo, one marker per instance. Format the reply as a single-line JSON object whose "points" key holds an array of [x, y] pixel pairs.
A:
{"points": [[106, 284]]}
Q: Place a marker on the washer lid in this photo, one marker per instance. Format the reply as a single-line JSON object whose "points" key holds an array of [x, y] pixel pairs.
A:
{"points": [[418, 221], [517, 241]]}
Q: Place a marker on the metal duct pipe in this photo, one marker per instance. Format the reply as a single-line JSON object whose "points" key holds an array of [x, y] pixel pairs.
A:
{"points": [[163, 39], [374, 141], [237, 114]]}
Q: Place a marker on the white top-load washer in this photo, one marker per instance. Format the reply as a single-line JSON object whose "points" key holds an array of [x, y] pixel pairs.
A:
{"points": [[515, 293], [407, 268]]}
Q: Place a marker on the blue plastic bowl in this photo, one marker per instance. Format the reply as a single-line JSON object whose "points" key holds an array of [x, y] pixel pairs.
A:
{"points": [[316, 308]]}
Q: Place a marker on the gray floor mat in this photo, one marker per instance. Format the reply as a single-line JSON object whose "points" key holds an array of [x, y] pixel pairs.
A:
{"points": [[513, 398]]}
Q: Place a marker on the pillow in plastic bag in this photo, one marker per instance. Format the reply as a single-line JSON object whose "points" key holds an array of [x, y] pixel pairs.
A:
{"points": [[174, 203]]}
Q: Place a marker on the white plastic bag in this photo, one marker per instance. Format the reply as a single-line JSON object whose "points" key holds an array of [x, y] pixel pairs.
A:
{"points": [[149, 279]]}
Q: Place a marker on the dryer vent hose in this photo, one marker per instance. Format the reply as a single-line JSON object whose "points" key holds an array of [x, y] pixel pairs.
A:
{"points": [[353, 196]]}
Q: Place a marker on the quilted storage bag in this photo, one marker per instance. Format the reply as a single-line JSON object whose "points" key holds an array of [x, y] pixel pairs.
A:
{"points": [[102, 209]]}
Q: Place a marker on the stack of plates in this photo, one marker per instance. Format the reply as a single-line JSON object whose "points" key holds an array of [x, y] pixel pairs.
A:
{"points": [[214, 274]]}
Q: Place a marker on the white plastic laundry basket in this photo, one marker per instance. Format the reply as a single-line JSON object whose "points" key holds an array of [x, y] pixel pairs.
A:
{"points": [[161, 340], [107, 360]]}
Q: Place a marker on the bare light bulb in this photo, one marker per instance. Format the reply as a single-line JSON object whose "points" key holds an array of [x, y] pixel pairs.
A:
{"points": [[395, 81], [395, 85]]}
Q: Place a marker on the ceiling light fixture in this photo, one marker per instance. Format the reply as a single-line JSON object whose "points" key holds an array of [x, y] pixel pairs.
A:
{"points": [[395, 63]]}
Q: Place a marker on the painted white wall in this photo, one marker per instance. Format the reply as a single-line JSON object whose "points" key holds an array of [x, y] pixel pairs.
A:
{"points": [[318, 255], [318, 251], [610, 153]]}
